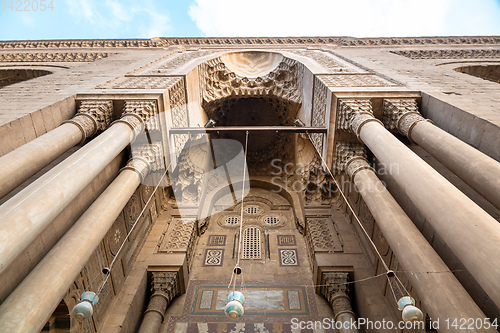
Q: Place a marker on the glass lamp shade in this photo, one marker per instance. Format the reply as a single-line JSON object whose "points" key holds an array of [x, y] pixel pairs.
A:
{"points": [[234, 309]]}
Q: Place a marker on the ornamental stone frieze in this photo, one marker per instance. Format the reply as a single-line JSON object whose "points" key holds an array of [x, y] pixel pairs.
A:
{"points": [[352, 114], [52, 57], [401, 115], [92, 116], [277, 41], [336, 290], [450, 54]]}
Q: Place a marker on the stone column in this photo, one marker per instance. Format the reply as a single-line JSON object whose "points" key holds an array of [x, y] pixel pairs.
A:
{"points": [[441, 293], [28, 213], [478, 170], [23, 162], [33, 301], [336, 290], [164, 288], [471, 234]]}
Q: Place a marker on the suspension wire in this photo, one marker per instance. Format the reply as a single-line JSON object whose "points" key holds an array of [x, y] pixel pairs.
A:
{"points": [[387, 269], [350, 207], [402, 285], [130, 232], [242, 198], [240, 238]]}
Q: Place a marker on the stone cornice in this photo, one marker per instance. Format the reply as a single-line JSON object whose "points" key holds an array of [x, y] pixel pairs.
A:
{"points": [[215, 41]]}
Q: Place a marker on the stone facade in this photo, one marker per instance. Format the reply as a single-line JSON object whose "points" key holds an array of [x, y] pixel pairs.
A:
{"points": [[97, 155]]}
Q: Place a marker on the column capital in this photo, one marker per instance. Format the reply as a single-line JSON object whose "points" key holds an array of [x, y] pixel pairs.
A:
{"points": [[356, 164], [353, 114], [92, 116], [401, 115], [140, 166], [164, 288], [139, 115], [344, 151], [152, 153], [336, 290]]}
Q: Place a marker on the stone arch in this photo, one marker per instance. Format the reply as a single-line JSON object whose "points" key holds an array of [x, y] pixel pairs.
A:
{"points": [[16, 75], [60, 321], [486, 72], [258, 182]]}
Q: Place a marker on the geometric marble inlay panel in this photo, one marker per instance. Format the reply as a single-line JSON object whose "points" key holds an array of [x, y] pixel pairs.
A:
{"points": [[286, 240], [216, 240], [213, 257], [259, 300], [288, 257]]}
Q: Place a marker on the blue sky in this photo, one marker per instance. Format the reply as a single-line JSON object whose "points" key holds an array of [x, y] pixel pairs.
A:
{"points": [[92, 19]]}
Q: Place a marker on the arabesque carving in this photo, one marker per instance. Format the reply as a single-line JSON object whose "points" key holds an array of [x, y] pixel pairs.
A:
{"points": [[179, 113], [319, 109], [321, 235]]}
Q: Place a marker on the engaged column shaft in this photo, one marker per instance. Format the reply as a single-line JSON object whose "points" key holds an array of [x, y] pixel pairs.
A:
{"points": [[436, 286], [33, 301], [25, 161], [455, 217], [478, 170], [28, 213]]}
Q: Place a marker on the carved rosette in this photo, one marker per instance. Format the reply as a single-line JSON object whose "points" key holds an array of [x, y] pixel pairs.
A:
{"points": [[353, 114], [336, 290], [92, 116], [344, 151], [164, 288], [139, 165]]}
